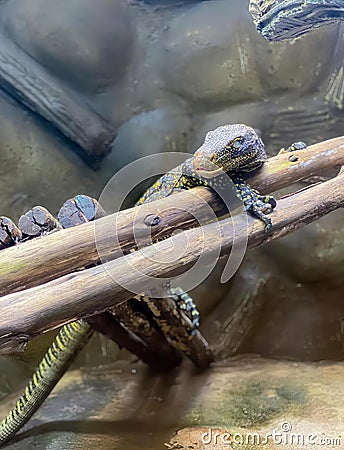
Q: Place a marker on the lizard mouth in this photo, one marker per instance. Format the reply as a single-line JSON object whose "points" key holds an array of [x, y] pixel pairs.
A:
{"points": [[205, 173], [206, 168]]}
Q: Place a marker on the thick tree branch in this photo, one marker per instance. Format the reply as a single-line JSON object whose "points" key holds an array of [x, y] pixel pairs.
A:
{"points": [[58, 254], [91, 291]]}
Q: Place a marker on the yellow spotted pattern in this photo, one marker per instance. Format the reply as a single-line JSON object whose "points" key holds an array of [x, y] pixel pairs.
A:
{"points": [[69, 340]]}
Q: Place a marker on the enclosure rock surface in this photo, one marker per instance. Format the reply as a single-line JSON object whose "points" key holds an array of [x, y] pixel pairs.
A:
{"points": [[100, 408], [212, 54], [85, 42]]}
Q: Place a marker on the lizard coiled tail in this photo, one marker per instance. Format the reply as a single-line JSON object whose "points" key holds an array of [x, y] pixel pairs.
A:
{"points": [[69, 341]]}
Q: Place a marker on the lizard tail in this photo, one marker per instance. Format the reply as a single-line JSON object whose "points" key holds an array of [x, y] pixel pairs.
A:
{"points": [[68, 342]]}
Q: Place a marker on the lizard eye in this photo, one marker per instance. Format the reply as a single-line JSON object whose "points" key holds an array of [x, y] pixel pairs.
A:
{"points": [[212, 156], [237, 142]]}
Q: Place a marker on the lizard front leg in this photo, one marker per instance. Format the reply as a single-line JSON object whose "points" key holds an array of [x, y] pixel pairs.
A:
{"points": [[254, 203]]}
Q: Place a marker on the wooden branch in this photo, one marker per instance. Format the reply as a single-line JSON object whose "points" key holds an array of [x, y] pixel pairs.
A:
{"points": [[10, 234], [37, 222], [138, 325], [278, 20], [157, 352], [91, 291], [39, 261], [125, 325], [30, 83]]}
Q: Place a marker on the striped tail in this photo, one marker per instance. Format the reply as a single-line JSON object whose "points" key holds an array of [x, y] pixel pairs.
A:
{"points": [[68, 342]]}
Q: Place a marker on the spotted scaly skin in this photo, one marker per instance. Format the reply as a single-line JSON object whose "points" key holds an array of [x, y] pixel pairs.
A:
{"points": [[68, 342], [228, 150], [232, 149]]}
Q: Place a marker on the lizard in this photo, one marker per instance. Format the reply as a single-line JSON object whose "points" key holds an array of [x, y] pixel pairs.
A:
{"points": [[229, 149]]}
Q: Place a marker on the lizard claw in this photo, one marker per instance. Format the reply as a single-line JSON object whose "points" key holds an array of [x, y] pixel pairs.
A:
{"points": [[260, 210], [269, 199], [296, 146]]}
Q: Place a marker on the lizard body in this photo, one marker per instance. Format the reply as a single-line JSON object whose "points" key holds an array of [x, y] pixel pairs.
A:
{"points": [[231, 149]]}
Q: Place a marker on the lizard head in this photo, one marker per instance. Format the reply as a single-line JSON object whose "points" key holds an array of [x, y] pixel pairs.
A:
{"points": [[229, 148]]}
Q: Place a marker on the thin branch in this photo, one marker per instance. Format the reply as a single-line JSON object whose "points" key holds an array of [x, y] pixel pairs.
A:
{"points": [[91, 291]]}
